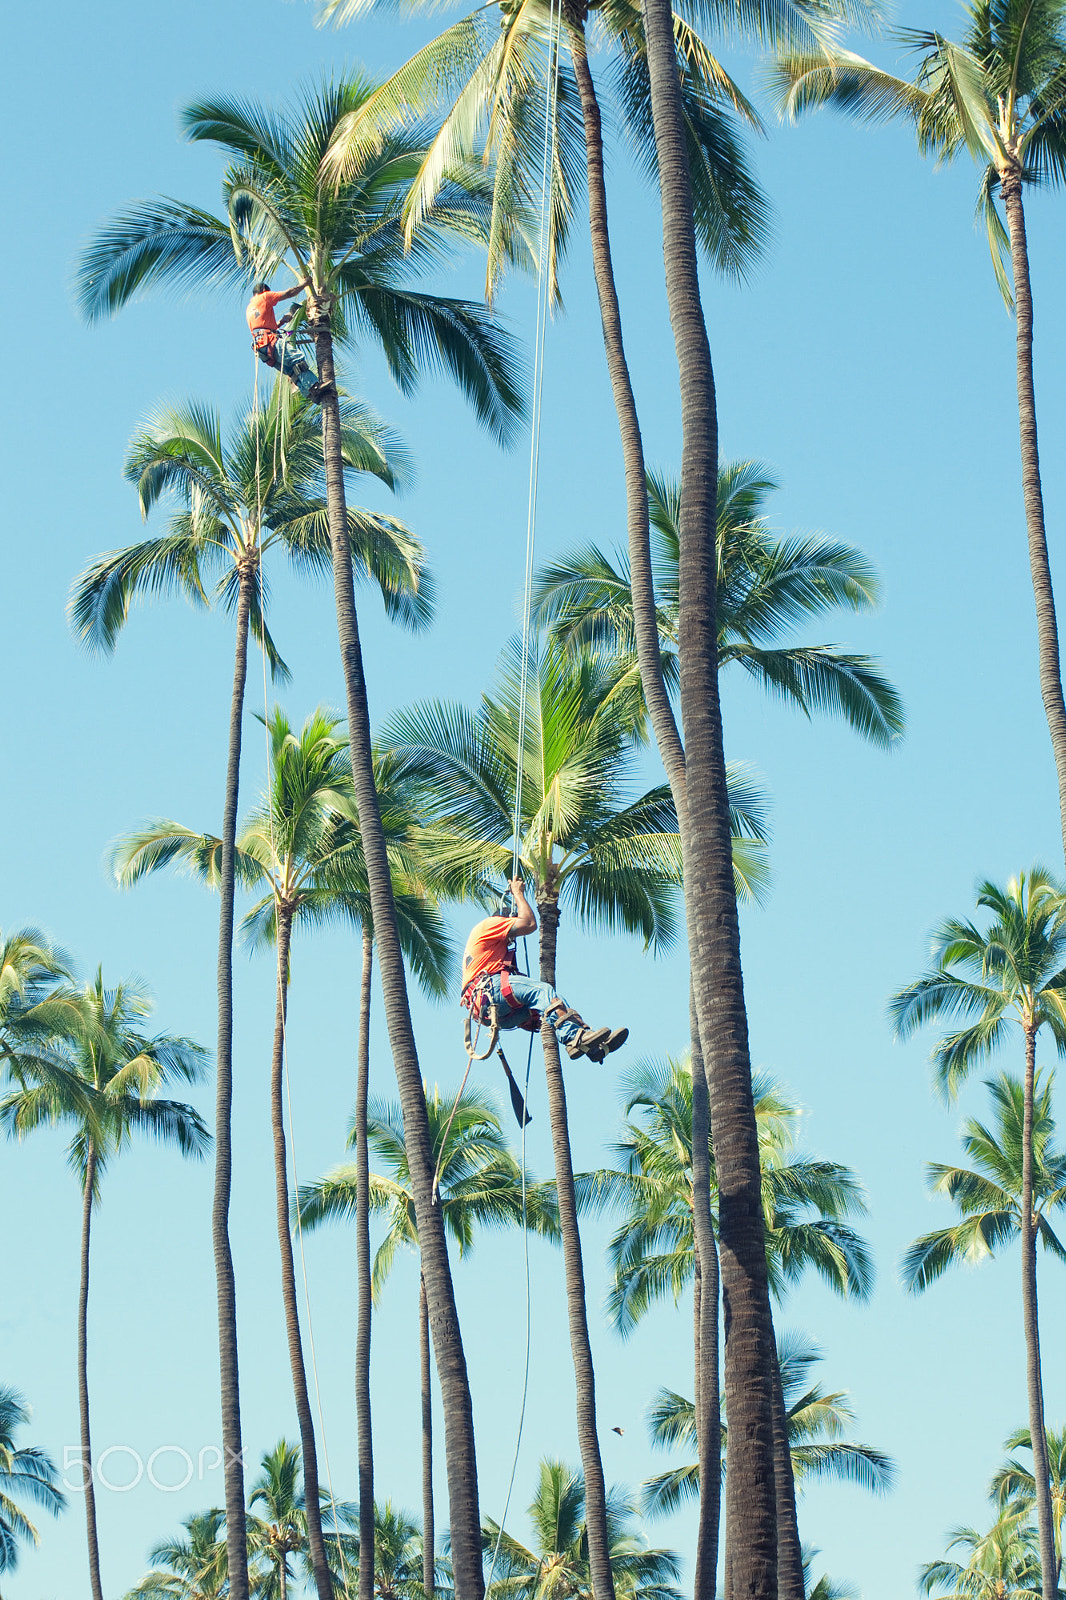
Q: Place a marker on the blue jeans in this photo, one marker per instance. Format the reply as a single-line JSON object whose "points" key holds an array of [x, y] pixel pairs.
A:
{"points": [[531, 996], [285, 357]]}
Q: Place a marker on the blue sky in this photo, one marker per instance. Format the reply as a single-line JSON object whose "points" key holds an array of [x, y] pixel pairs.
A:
{"points": [[870, 363]]}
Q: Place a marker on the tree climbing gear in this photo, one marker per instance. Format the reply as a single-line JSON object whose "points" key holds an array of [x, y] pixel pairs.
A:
{"points": [[588, 1040]]}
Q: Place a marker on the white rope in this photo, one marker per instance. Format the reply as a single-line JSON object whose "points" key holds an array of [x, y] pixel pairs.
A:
{"points": [[284, 1028], [547, 175], [529, 1322], [543, 291]]}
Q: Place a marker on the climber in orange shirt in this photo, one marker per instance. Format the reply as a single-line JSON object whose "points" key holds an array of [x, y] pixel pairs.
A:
{"points": [[271, 346]]}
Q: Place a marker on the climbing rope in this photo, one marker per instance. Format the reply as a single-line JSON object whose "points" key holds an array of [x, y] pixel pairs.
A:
{"points": [[547, 175]]}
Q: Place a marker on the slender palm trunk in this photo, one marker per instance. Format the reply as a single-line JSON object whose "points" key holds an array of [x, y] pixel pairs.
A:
{"points": [[283, 1581], [790, 1584], [647, 633], [666, 734], [225, 1287], [580, 1344], [1039, 565], [710, 900], [429, 1535], [362, 1272], [708, 1406], [83, 1377], [312, 1504], [664, 726], [465, 1517], [1034, 1381]]}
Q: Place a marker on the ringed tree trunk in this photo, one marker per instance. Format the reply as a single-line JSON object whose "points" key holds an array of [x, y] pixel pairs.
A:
{"points": [[710, 900], [790, 1584], [83, 1377], [465, 1517], [362, 1273], [1030, 1321], [312, 1503], [429, 1537], [666, 734], [580, 1345], [225, 1286], [647, 633], [1039, 565], [708, 1406]]}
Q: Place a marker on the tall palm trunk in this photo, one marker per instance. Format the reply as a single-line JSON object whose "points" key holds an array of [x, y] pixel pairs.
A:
{"points": [[225, 1288], [83, 1377], [465, 1517], [1034, 1381], [790, 1584], [1039, 566], [641, 581], [429, 1535], [362, 1273], [660, 712], [580, 1345], [312, 1503], [708, 1405], [710, 900]]}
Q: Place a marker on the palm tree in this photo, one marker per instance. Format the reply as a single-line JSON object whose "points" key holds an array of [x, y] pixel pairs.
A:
{"points": [[193, 1567], [26, 1471], [37, 1009], [108, 1090], [1014, 1487], [583, 842], [989, 1196], [826, 1588], [1000, 95], [347, 243], [1002, 1564], [283, 1528], [302, 844], [694, 760], [559, 1562], [653, 1252], [31, 967], [399, 1554], [1010, 972], [479, 1185], [238, 497], [765, 585], [817, 1424]]}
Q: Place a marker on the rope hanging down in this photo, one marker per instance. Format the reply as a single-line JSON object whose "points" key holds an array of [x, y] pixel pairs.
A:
{"points": [[547, 177], [543, 292]]}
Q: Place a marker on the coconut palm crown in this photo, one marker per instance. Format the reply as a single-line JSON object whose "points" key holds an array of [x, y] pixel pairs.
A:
{"points": [[766, 585], [284, 214]]}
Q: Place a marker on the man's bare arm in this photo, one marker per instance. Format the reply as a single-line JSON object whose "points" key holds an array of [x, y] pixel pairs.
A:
{"points": [[524, 920]]}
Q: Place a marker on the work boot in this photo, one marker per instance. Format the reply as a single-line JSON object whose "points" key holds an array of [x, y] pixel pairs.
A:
{"points": [[588, 1040], [319, 391], [615, 1042]]}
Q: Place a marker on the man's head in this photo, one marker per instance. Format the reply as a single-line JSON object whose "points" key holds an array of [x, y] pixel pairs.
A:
{"points": [[260, 288]]}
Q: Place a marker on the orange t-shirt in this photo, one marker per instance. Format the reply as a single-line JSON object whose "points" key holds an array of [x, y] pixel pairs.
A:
{"points": [[486, 949], [260, 314]]}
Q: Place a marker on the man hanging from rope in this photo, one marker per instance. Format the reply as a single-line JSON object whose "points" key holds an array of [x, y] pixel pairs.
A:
{"points": [[271, 346], [491, 979]]}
